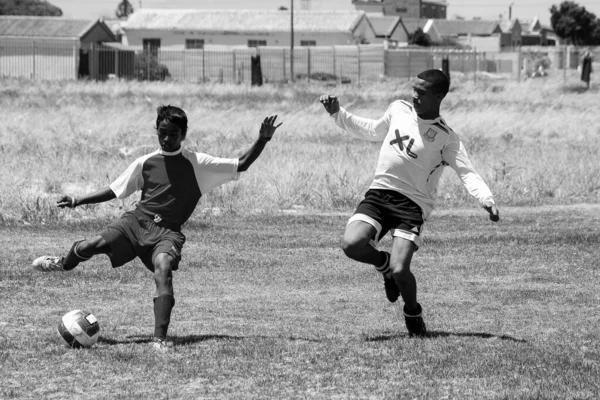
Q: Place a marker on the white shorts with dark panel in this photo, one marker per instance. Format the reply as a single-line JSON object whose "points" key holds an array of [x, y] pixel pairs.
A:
{"points": [[390, 211]]}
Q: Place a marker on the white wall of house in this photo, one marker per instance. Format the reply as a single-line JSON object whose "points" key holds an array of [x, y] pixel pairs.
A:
{"points": [[178, 39], [482, 43]]}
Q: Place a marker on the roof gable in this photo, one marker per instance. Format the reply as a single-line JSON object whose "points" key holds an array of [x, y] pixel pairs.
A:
{"points": [[243, 20], [383, 26], [54, 27], [412, 24]]}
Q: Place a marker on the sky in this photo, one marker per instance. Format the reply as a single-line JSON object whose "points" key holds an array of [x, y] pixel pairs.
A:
{"points": [[485, 9]]}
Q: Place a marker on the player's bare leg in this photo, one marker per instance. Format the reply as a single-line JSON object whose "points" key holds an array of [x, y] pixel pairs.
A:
{"points": [[401, 257], [164, 299], [358, 245]]}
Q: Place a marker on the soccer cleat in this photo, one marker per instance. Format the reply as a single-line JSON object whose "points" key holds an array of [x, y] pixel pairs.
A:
{"points": [[414, 323], [391, 289], [48, 264], [392, 292], [161, 345]]}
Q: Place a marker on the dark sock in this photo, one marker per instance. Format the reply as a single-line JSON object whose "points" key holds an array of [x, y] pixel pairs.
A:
{"points": [[72, 259], [417, 311], [162, 314]]}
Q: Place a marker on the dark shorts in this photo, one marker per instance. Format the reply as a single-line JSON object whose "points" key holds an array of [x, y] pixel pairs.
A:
{"points": [[390, 211], [136, 235]]}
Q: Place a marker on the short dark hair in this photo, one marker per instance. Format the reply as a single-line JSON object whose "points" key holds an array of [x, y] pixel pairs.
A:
{"points": [[439, 80], [172, 114]]}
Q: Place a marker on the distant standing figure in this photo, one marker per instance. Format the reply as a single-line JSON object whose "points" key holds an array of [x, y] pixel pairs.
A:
{"points": [[416, 146], [586, 68], [171, 179]]}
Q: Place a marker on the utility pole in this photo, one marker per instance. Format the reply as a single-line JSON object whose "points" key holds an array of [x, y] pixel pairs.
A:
{"points": [[292, 43], [510, 11]]}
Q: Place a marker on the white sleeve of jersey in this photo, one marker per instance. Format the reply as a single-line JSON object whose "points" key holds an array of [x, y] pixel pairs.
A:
{"points": [[214, 171], [455, 154], [130, 181], [373, 130]]}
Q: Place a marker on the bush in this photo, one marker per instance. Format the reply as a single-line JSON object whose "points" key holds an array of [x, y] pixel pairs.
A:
{"points": [[147, 68], [324, 77]]}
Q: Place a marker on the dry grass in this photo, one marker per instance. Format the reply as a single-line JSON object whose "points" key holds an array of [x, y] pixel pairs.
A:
{"points": [[268, 307]]}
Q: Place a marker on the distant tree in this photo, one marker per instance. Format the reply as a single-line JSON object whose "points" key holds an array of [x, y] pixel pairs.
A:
{"points": [[29, 7], [419, 38], [124, 9], [574, 23]]}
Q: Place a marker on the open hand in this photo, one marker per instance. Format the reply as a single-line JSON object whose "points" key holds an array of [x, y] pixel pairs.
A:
{"points": [[331, 103], [268, 127], [66, 201], [492, 210]]}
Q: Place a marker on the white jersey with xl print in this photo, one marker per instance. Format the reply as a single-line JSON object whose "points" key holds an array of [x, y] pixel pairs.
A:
{"points": [[414, 153]]}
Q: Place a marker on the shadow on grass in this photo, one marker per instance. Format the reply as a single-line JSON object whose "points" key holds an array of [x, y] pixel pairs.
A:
{"points": [[436, 334], [191, 339]]}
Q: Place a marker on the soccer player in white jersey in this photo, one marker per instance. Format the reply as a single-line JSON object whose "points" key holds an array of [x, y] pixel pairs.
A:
{"points": [[171, 179], [417, 144]]}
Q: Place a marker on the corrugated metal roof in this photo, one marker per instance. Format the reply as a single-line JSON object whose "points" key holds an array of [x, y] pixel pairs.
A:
{"points": [[243, 20], [383, 25], [56, 27], [447, 27]]}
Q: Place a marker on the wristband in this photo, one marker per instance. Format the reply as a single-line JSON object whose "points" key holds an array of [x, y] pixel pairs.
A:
{"points": [[262, 139], [73, 202]]}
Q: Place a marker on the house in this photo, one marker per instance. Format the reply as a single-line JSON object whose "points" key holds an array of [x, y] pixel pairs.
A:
{"points": [[49, 47], [53, 30], [388, 29], [404, 8], [536, 34], [197, 29], [511, 34], [480, 34]]}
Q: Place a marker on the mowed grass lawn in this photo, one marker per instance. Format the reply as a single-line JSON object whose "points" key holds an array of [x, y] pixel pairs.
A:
{"points": [[269, 307]]}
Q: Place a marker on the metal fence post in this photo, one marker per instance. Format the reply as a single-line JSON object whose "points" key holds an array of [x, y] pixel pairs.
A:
{"points": [[408, 59], [476, 67], [33, 60], [284, 67], [308, 64], [183, 65], [203, 69], [358, 56], [117, 63], [75, 56], [234, 67], [334, 66]]}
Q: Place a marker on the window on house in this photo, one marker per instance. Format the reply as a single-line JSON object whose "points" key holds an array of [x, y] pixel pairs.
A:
{"points": [[151, 46], [194, 43], [308, 43], [256, 43], [401, 9]]}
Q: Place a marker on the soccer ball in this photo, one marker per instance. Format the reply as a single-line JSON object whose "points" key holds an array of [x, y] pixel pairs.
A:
{"points": [[79, 328]]}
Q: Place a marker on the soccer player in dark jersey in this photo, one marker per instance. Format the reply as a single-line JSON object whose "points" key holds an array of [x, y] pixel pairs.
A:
{"points": [[417, 145], [171, 179]]}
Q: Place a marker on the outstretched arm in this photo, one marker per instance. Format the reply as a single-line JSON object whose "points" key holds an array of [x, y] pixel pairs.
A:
{"points": [[100, 196], [373, 130], [456, 156], [267, 129]]}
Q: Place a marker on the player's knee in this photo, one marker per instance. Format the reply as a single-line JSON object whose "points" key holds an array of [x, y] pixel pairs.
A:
{"points": [[354, 245], [163, 267]]}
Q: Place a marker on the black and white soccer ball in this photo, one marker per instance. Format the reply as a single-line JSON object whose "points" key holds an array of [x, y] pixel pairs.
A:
{"points": [[79, 328]]}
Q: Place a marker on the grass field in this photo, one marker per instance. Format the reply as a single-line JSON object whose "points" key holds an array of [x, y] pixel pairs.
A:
{"points": [[279, 312], [267, 304]]}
